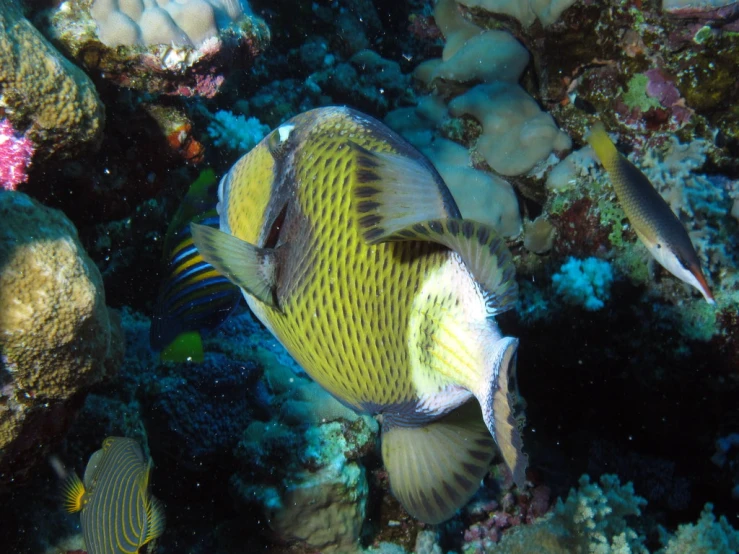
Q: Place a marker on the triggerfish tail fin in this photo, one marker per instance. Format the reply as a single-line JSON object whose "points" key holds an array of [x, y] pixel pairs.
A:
{"points": [[250, 267], [435, 469], [73, 492], [498, 401], [186, 347], [654, 222]]}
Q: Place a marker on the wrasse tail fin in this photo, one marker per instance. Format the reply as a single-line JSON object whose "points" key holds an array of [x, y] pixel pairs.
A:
{"points": [[435, 469], [251, 268], [73, 492], [392, 192], [604, 148]]}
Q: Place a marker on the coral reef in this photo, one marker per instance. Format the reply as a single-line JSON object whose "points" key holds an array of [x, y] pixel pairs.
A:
{"points": [[42, 93], [58, 337], [318, 495], [168, 49], [624, 369], [188, 23]]}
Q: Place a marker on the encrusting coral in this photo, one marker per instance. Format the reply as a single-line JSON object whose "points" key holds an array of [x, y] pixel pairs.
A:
{"points": [[57, 337], [318, 494], [42, 93]]}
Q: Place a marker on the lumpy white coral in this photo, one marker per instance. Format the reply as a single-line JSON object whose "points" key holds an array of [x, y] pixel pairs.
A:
{"points": [[179, 22]]}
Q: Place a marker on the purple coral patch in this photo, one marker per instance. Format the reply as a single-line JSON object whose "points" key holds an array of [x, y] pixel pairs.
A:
{"points": [[16, 151]]}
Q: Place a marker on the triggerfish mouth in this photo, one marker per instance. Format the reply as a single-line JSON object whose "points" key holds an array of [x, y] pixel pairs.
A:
{"points": [[348, 246], [118, 514], [655, 224]]}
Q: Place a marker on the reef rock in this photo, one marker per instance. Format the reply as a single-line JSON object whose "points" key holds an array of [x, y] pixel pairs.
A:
{"points": [[302, 468], [56, 335], [43, 93]]}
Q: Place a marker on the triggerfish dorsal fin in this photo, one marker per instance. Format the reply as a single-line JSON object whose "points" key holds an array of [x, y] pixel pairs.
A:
{"points": [[252, 268], [435, 469], [391, 192], [73, 492], [654, 222], [397, 198]]}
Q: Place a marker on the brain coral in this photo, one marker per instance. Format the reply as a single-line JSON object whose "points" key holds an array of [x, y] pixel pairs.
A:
{"points": [[42, 91], [56, 334], [181, 22]]}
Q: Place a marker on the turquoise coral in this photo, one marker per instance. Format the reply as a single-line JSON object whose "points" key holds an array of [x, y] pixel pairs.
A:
{"points": [[585, 282]]}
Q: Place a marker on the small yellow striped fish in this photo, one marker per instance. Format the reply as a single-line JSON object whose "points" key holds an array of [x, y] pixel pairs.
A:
{"points": [[653, 221], [119, 515], [349, 247]]}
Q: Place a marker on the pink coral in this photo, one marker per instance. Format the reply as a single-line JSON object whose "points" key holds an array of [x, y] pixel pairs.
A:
{"points": [[16, 151]]}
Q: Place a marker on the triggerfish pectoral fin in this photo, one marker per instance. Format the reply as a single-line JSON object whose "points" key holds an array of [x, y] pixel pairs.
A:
{"points": [[654, 222], [250, 267], [435, 469]]}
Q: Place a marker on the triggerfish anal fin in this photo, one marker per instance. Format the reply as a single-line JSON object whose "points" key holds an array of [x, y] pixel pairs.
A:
{"points": [[250, 267], [654, 222], [193, 296], [435, 469]]}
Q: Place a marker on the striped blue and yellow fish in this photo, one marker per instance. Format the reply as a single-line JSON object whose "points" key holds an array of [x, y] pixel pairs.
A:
{"points": [[193, 297], [118, 514], [349, 247]]}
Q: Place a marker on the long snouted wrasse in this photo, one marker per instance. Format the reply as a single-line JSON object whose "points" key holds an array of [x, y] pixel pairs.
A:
{"points": [[193, 297], [349, 247], [118, 514], [651, 217]]}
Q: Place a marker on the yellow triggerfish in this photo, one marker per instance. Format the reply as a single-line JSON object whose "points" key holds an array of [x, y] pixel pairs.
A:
{"points": [[118, 514], [349, 247], [653, 220]]}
